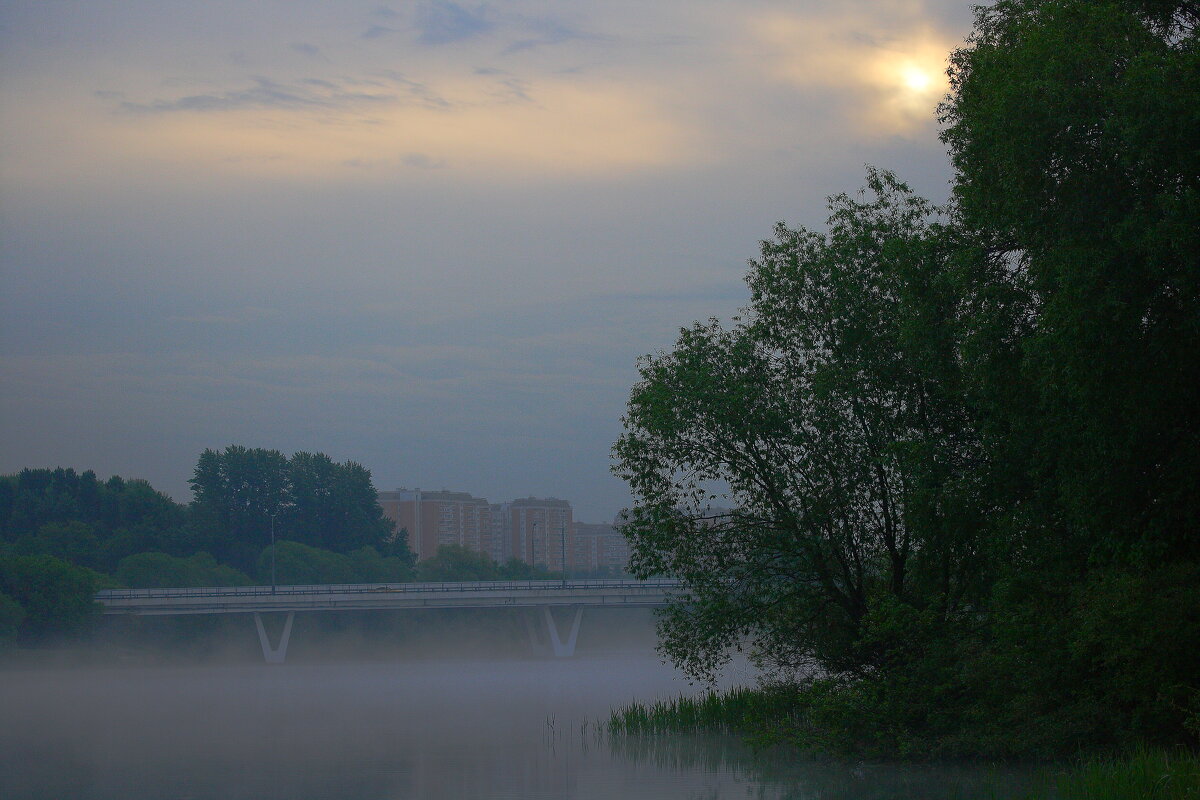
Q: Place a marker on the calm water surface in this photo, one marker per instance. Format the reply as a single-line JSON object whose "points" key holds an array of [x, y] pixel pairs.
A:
{"points": [[441, 728]]}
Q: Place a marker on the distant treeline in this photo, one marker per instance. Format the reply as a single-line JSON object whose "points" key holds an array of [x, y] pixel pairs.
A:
{"points": [[65, 534]]}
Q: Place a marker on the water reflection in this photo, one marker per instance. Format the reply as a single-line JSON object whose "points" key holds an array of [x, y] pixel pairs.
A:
{"points": [[439, 728], [774, 773]]}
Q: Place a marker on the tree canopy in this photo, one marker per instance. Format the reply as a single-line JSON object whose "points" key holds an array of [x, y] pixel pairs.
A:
{"points": [[308, 498], [941, 472], [829, 415], [1072, 130]]}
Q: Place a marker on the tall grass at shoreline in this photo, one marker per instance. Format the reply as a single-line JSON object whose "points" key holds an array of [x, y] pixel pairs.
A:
{"points": [[739, 710], [1141, 774]]}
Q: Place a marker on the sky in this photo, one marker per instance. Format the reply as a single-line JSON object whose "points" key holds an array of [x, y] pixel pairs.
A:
{"points": [[433, 238]]}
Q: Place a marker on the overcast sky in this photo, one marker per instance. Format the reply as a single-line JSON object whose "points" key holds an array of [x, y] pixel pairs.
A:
{"points": [[430, 237]]}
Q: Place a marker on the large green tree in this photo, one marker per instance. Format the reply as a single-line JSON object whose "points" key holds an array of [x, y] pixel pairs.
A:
{"points": [[236, 493], [962, 458], [242, 493], [334, 506], [1072, 127], [829, 419]]}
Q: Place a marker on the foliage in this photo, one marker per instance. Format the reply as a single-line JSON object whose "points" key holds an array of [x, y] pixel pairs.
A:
{"points": [[300, 564], [457, 563], [960, 449], [737, 710], [1142, 774], [11, 616], [239, 490], [829, 411], [55, 597], [1071, 127], [159, 570], [80, 519], [242, 493], [332, 505], [372, 567], [517, 570]]}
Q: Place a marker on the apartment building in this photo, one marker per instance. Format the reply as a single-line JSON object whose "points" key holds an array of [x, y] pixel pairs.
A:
{"points": [[540, 531], [502, 549], [440, 518], [600, 547]]}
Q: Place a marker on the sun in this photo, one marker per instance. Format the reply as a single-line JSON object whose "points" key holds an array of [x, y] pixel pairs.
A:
{"points": [[916, 80]]}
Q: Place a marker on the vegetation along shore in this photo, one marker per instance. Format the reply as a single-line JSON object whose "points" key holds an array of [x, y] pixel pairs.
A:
{"points": [[941, 476]]}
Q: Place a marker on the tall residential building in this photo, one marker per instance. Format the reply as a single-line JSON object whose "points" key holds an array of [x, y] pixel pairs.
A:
{"points": [[600, 547], [541, 531], [433, 519], [502, 549]]}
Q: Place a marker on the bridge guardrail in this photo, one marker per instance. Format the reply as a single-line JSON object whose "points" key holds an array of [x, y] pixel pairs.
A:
{"points": [[368, 588]]}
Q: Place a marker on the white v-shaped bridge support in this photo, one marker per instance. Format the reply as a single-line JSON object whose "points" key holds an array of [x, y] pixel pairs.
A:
{"points": [[552, 642], [560, 648], [274, 655]]}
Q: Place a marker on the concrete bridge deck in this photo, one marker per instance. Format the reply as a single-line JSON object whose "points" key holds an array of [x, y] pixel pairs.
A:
{"points": [[386, 596]]}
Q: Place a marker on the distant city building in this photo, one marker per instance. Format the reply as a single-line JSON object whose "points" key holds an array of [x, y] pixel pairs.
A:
{"points": [[541, 531], [433, 519], [502, 549], [600, 548]]}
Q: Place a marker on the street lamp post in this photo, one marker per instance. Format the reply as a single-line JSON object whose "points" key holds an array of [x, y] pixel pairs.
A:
{"points": [[563, 530], [273, 551]]}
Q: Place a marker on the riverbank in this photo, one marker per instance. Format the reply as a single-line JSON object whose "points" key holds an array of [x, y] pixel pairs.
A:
{"points": [[786, 716], [1143, 774]]}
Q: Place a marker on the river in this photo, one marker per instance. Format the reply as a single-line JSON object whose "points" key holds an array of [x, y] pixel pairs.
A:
{"points": [[438, 727]]}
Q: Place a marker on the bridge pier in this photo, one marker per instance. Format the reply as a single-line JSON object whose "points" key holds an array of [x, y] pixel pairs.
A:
{"points": [[538, 647], [274, 655], [554, 642]]}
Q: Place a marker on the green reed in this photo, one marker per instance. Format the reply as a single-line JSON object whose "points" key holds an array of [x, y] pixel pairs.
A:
{"points": [[738, 710], [1142, 774]]}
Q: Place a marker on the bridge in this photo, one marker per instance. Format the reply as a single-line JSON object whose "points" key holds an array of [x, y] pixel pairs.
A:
{"points": [[257, 600]]}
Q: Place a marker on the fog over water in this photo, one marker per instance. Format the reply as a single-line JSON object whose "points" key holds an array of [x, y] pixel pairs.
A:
{"points": [[424, 727], [415, 726]]}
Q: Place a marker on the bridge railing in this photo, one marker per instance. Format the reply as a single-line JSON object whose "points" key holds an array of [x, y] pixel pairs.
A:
{"points": [[367, 588]]}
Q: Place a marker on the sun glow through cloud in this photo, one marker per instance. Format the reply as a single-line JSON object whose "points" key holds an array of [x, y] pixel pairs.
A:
{"points": [[563, 127], [892, 76], [916, 79]]}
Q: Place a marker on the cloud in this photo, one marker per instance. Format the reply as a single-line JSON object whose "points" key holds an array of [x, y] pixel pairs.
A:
{"points": [[558, 125], [890, 73], [237, 317], [264, 94], [306, 93], [443, 22], [307, 49], [422, 161], [549, 31], [377, 31]]}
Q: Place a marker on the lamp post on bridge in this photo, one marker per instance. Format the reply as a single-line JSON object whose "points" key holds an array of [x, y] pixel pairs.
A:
{"points": [[273, 551], [531, 548], [562, 529]]}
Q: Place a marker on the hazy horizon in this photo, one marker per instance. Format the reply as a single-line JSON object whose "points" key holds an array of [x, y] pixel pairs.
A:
{"points": [[431, 238]]}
